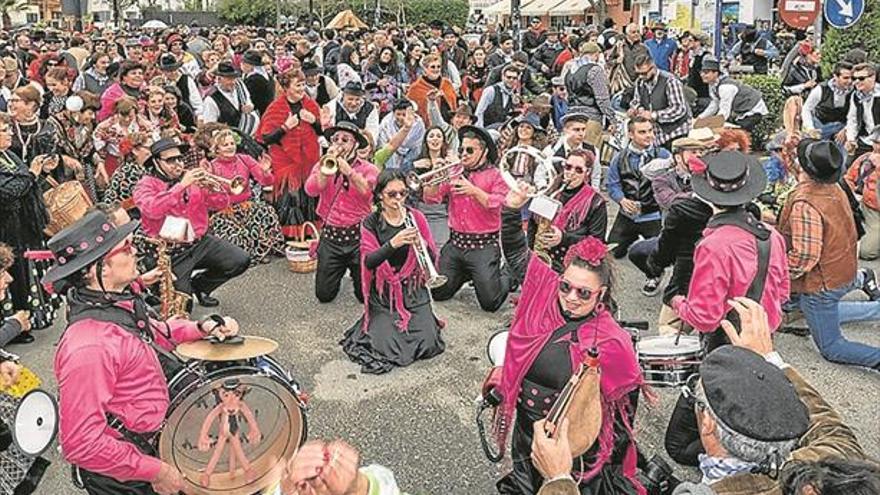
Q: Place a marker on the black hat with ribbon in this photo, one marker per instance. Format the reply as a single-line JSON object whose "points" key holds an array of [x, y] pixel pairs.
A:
{"points": [[168, 62], [484, 136], [350, 128], [83, 243], [226, 69], [731, 178], [822, 160]]}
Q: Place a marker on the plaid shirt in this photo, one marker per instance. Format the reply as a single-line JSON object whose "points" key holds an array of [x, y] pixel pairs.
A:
{"points": [[676, 109], [806, 239]]}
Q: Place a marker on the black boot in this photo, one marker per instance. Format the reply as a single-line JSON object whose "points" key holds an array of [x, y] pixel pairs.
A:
{"points": [[205, 300]]}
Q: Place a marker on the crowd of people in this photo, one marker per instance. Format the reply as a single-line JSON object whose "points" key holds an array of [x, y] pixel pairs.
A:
{"points": [[427, 160]]}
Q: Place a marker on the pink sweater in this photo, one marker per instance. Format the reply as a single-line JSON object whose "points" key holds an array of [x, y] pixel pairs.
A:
{"points": [[100, 368], [241, 165]]}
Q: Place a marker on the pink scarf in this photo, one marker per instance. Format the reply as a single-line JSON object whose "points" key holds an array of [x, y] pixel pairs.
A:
{"points": [[575, 209], [385, 276], [537, 316]]}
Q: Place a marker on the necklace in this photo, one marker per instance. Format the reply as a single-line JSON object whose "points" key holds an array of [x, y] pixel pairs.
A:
{"points": [[25, 143]]}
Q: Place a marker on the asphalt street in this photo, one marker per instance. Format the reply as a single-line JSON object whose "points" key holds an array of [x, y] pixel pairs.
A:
{"points": [[419, 421]]}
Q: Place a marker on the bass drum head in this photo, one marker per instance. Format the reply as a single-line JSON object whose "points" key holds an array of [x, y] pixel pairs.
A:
{"points": [[497, 347], [263, 396], [36, 423]]}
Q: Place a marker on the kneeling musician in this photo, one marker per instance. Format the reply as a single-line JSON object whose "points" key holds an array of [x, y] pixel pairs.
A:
{"points": [[112, 362]]}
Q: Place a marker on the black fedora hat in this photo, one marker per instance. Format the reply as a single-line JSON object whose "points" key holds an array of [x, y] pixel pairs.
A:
{"points": [[84, 243], [531, 119], [822, 160], [731, 178], [353, 88], [484, 136], [168, 62], [309, 67], [350, 128], [226, 69], [252, 57]]}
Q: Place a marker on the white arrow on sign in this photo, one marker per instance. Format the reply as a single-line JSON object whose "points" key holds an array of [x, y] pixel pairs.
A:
{"points": [[846, 8]]}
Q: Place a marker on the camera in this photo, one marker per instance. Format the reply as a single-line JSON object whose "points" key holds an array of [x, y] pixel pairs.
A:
{"points": [[657, 478]]}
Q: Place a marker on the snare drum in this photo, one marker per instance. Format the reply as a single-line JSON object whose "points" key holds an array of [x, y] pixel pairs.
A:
{"points": [[267, 399], [666, 364]]}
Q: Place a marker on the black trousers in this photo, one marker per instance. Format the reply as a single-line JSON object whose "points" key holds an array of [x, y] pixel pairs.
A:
{"points": [[97, 484], [682, 269], [220, 260], [482, 265], [334, 259], [682, 440], [748, 123], [625, 232]]}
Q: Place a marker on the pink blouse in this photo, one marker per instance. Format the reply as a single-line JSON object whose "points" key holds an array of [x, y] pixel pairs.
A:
{"points": [[466, 214], [244, 166]]}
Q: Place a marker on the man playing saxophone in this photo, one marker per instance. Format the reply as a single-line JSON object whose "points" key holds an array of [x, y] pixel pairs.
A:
{"points": [[170, 191], [343, 184], [581, 212]]}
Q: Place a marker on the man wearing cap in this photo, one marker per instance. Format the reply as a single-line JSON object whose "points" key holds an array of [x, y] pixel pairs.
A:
{"points": [[545, 55], [499, 100], [319, 87], [403, 115], [818, 225], [475, 199], [454, 52], [169, 65], [661, 47], [587, 86], [230, 101], [827, 105], [260, 84], [113, 361], [344, 200], [574, 134], [558, 102], [352, 106], [659, 97], [738, 255], [739, 103], [167, 191], [756, 416], [684, 219]]}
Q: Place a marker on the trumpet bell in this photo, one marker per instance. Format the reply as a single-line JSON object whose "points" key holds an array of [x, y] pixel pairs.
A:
{"points": [[329, 165], [237, 185], [436, 281]]}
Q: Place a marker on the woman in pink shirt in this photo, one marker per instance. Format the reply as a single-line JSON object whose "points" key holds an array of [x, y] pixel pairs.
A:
{"points": [[248, 223]]}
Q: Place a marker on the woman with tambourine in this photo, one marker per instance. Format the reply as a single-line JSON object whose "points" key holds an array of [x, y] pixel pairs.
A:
{"points": [[565, 318], [399, 325]]}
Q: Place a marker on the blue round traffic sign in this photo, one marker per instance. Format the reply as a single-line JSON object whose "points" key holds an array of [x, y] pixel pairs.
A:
{"points": [[843, 13]]}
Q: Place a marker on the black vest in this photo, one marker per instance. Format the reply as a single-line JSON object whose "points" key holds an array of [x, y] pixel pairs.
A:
{"points": [[360, 118], [860, 113], [497, 111], [229, 115], [693, 78], [826, 112], [635, 185], [182, 85], [560, 153], [323, 96], [657, 100], [747, 52]]}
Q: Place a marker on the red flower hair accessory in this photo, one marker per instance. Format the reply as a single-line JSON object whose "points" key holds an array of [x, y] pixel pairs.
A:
{"points": [[590, 249], [696, 165]]}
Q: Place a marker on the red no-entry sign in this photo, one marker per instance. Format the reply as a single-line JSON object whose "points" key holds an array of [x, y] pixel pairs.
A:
{"points": [[799, 14]]}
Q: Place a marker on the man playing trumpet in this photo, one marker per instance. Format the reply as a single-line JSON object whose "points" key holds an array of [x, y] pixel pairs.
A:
{"points": [[343, 184], [167, 191]]}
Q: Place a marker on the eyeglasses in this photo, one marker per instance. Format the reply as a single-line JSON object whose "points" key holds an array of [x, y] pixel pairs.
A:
{"points": [[583, 293], [467, 150], [434, 67], [341, 139], [174, 159], [574, 168], [397, 194], [511, 78], [126, 247], [861, 78]]}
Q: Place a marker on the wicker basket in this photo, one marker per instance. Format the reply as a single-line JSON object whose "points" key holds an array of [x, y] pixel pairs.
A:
{"points": [[299, 259]]}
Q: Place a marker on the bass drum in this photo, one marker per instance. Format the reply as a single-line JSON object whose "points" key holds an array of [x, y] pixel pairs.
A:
{"points": [[231, 426]]}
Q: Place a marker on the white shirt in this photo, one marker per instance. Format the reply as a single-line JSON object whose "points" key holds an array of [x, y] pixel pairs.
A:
{"points": [[852, 118], [813, 99], [210, 111]]}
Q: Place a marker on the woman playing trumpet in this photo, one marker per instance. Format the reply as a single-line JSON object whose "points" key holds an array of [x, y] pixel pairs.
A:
{"points": [[436, 153], [399, 325], [248, 223]]}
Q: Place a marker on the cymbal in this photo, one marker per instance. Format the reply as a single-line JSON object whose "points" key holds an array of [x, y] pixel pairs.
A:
{"points": [[206, 350]]}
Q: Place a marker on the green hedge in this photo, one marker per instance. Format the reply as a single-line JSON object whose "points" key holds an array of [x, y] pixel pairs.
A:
{"points": [[771, 87]]}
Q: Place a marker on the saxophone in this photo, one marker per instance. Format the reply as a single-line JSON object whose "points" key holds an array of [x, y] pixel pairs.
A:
{"points": [[174, 302]]}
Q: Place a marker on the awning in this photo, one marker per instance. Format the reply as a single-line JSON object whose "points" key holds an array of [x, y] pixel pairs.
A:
{"points": [[571, 7], [539, 7], [500, 8]]}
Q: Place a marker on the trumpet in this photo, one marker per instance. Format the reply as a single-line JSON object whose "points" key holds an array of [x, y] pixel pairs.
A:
{"points": [[423, 256], [330, 164], [434, 177], [235, 185]]}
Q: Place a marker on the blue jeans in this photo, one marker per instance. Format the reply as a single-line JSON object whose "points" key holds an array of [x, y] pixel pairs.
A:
{"points": [[828, 130], [824, 312]]}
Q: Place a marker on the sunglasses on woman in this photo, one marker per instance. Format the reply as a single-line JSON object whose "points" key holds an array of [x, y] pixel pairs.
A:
{"points": [[574, 168], [583, 293], [397, 194]]}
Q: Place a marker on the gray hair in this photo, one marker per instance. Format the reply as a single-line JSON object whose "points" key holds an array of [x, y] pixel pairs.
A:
{"points": [[745, 448]]}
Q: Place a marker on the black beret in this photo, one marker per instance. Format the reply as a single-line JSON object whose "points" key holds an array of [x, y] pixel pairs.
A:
{"points": [[751, 396]]}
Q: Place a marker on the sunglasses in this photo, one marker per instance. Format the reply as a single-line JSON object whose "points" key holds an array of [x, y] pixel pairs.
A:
{"points": [[174, 159], [575, 168], [861, 78], [467, 150], [583, 293], [397, 194], [341, 139], [126, 247]]}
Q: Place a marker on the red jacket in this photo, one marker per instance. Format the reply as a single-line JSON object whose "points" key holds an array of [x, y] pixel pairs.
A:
{"points": [[298, 151]]}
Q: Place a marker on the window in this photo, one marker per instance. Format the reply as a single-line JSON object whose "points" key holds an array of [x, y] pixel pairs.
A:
{"points": [[33, 18], [627, 5]]}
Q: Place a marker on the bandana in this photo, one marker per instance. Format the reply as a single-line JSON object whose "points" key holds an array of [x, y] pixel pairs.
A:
{"points": [[717, 468]]}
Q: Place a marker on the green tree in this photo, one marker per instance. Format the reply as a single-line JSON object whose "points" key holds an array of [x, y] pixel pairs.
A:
{"points": [[7, 6], [453, 12], [248, 12], [866, 32]]}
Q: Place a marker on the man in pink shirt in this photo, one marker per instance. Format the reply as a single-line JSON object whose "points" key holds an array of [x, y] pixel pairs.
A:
{"points": [[167, 190], [112, 362], [739, 256], [344, 200], [475, 201]]}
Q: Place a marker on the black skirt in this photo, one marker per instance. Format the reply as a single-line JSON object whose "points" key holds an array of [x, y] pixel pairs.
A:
{"points": [[384, 346]]}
